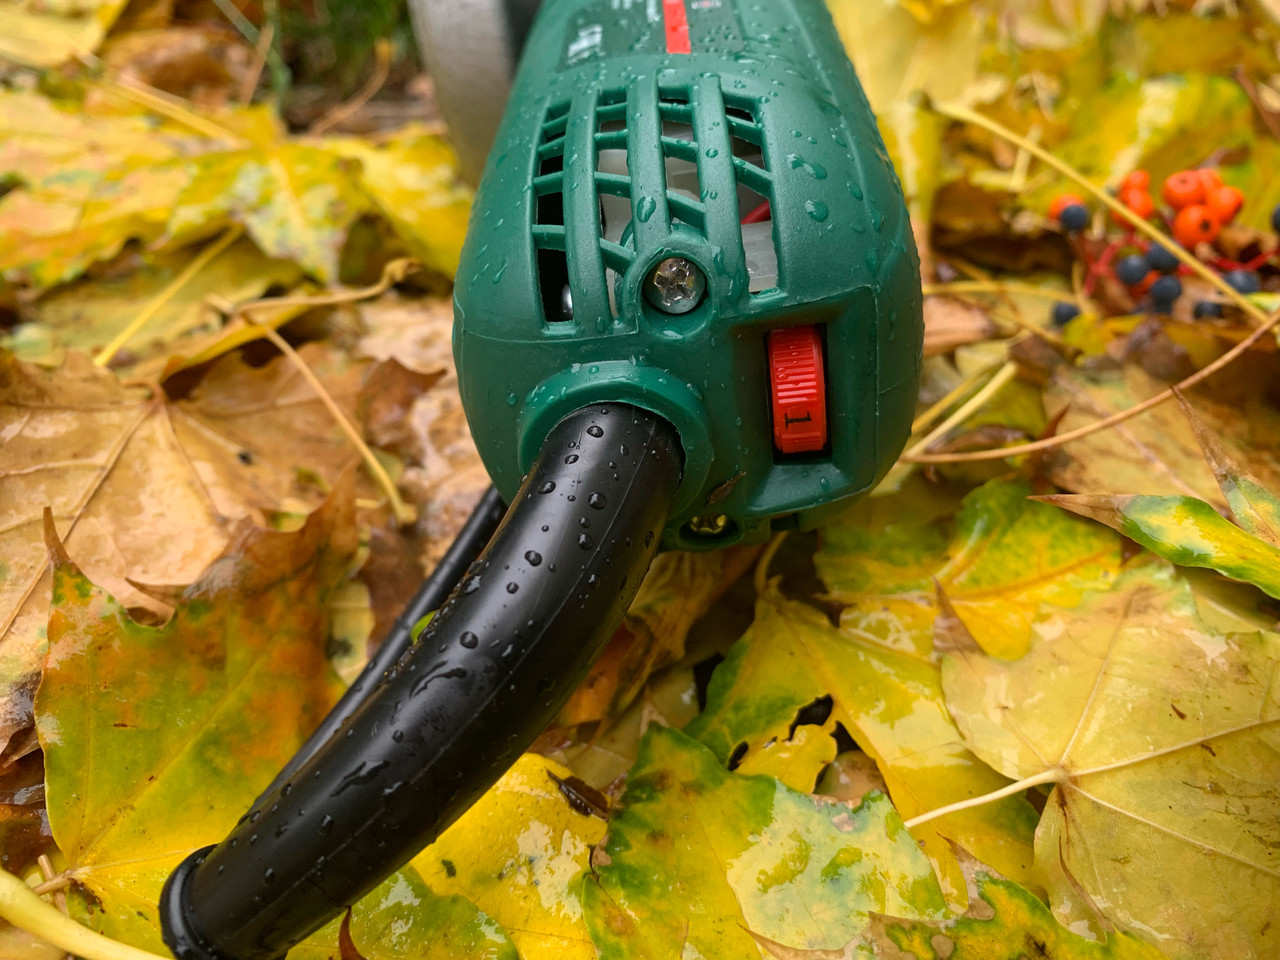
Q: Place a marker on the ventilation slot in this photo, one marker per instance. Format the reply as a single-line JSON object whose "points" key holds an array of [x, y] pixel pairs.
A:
{"points": [[755, 194], [548, 218], [684, 191], [613, 181]]}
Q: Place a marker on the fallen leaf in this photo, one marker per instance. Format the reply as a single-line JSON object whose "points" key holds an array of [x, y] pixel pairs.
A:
{"points": [[143, 488], [890, 701], [521, 854], [49, 34], [1006, 556], [24, 824], [1003, 920], [1185, 530], [697, 857], [950, 323], [89, 314], [1157, 452], [1160, 735]]}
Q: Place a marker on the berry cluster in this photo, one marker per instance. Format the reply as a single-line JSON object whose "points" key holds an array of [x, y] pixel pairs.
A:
{"points": [[1197, 206]]}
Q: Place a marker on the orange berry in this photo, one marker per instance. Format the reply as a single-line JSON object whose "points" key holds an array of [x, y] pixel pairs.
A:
{"points": [[1137, 200], [1210, 177], [1135, 180], [1062, 201], [1183, 189], [1195, 224], [1224, 203]]}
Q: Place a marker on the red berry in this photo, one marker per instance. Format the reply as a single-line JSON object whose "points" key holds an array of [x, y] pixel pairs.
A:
{"points": [[1063, 201], [1183, 189], [1135, 180], [1210, 177], [1139, 201], [1195, 224], [1224, 203]]}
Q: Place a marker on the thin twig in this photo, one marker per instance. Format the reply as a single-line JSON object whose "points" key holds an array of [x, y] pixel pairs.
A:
{"points": [[766, 558], [404, 513], [20, 905], [171, 107], [206, 257], [393, 273], [1266, 323], [992, 286], [261, 52], [972, 406], [340, 113]]}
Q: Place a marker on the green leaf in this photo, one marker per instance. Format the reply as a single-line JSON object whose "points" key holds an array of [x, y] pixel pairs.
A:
{"points": [[1004, 922], [1186, 531], [137, 722], [889, 700], [1161, 737], [698, 857]]}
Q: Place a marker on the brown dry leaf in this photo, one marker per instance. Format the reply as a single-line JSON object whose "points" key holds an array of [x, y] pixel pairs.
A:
{"points": [[443, 475], [1157, 453], [202, 62], [950, 323], [144, 488]]}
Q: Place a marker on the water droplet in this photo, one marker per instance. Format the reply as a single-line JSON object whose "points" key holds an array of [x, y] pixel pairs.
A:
{"points": [[253, 838], [586, 541], [547, 487], [268, 876], [512, 399], [712, 152], [648, 539], [595, 431], [816, 209], [471, 586], [571, 458], [533, 558], [468, 639], [397, 735], [513, 587], [597, 501], [253, 817], [546, 527], [815, 170], [326, 824], [646, 209], [623, 450]]}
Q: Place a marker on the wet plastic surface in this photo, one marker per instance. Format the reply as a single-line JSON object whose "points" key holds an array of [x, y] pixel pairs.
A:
{"points": [[491, 670]]}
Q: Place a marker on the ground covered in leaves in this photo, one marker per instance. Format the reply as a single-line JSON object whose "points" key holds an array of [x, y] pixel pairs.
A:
{"points": [[1020, 702]]}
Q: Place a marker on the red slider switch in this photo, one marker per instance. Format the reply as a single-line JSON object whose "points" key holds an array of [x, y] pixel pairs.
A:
{"points": [[798, 390]]}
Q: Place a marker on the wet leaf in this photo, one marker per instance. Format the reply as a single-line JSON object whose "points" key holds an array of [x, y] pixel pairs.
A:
{"points": [[698, 857], [1004, 920], [521, 854], [1157, 452], [89, 314], [1007, 555], [1160, 734], [889, 700], [144, 488], [49, 34], [1185, 530], [198, 715]]}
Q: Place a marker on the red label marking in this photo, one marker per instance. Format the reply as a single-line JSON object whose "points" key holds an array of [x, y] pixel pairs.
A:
{"points": [[677, 19]]}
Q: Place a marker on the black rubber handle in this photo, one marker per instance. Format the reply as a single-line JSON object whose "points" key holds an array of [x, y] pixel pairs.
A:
{"points": [[464, 550], [488, 674]]}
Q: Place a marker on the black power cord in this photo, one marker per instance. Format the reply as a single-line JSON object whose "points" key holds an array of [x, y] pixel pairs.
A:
{"points": [[489, 672]]}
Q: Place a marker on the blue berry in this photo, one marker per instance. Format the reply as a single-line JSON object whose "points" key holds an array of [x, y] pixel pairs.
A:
{"points": [[1074, 218], [1132, 269], [1242, 281], [1160, 257], [1063, 313], [1206, 309], [1164, 292]]}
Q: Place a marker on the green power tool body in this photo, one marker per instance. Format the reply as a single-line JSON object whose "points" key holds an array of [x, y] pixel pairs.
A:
{"points": [[688, 313], [642, 131]]}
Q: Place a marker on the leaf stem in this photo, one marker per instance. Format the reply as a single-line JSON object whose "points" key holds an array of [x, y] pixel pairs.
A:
{"points": [[205, 257], [1048, 776], [20, 905], [170, 106], [761, 581], [404, 513]]}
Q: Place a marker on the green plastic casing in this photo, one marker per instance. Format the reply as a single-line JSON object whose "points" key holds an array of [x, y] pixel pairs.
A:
{"points": [[768, 106]]}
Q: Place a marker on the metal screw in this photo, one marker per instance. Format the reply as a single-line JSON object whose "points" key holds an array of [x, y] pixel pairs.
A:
{"points": [[675, 286]]}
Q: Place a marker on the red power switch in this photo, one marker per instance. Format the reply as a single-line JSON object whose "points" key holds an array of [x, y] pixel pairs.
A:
{"points": [[798, 389]]}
